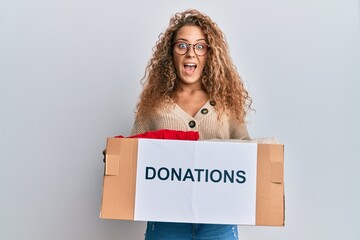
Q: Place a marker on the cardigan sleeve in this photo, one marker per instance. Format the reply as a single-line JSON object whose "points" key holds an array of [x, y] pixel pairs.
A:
{"points": [[237, 130], [140, 127]]}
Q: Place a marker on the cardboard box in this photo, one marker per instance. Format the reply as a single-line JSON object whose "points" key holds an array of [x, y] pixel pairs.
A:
{"points": [[194, 181]]}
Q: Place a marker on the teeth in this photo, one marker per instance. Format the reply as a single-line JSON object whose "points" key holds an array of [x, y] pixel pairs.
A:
{"points": [[191, 64]]}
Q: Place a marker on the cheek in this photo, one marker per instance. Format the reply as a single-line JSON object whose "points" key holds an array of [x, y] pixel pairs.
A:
{"points": [[203, 63]]}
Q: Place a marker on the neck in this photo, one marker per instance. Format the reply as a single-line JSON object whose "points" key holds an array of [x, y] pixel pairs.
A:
{"points": [[190, 88]]}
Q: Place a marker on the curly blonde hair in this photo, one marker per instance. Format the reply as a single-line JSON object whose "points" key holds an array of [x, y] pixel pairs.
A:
{"points": [[220, 79]]}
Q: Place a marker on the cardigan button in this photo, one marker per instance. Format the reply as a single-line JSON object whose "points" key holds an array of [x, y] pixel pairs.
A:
{"points": [[212, 103], [192, 124], [204, 111]]}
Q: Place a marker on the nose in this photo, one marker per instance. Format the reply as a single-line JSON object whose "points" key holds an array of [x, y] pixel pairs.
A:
{"points": [[191, 51]]}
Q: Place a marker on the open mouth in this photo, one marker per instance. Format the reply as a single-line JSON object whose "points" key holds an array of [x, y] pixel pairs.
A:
{"points": [[190, 67]]}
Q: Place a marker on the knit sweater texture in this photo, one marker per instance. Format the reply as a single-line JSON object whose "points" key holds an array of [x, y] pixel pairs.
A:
{"points": [[205, 121]]}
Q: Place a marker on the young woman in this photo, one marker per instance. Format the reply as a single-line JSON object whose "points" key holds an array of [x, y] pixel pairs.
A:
{"points": [[191, 84]]}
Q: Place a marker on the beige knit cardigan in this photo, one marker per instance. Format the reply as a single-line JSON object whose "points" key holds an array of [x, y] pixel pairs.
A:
{"points": [[205, 121]]}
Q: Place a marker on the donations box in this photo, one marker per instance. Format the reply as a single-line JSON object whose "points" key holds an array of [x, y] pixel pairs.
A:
{"points": [[193, 181]]}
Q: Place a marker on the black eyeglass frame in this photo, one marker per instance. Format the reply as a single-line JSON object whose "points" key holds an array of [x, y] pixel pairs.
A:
{"points": [[188, 47]]}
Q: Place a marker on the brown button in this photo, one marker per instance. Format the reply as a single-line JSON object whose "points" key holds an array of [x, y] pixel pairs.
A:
{"points": [[212, 103], [204, 111], [192, 124]]}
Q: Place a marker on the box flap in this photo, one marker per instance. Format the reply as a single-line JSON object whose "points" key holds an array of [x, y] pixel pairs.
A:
{"points": [[270, 186], [112, 158], [277, 170], [118, 200]]}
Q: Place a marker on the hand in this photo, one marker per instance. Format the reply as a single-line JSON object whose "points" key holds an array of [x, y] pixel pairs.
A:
{"points": [[104, 153]]}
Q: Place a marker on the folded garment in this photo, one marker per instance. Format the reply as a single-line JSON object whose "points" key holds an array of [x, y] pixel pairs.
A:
{"points": [[167, 134]]}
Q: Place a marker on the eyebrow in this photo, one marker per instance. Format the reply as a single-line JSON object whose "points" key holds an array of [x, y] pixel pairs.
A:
{"points": [[183, 39]]}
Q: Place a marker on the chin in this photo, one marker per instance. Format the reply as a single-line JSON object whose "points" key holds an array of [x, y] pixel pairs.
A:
{"points": [[191, 80]]}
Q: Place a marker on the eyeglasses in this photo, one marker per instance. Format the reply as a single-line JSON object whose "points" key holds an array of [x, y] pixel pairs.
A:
{"points": [[182, 48]]}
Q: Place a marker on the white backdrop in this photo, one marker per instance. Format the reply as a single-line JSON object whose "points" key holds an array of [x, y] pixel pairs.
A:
{"points": [[69, 78]]}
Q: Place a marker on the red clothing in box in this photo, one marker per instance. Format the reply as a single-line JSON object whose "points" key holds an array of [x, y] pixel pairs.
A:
{"points": [[167, 134]]}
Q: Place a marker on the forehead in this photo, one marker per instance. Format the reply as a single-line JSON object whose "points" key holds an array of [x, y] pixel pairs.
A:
{"points": [[190, 33]]}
